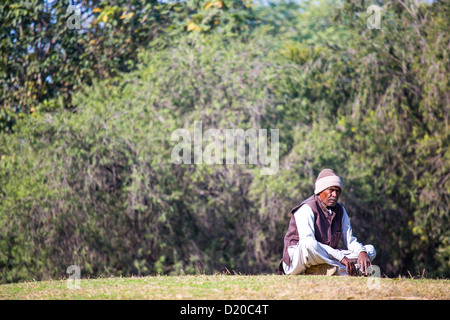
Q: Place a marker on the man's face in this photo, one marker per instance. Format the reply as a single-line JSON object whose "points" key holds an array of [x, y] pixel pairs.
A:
{"points": [[330, 196]]}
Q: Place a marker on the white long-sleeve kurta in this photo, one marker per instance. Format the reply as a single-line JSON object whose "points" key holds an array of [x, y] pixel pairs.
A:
{"points": [[304, 219]]}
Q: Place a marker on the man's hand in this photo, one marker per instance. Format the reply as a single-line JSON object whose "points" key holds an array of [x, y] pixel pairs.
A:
{"points": [[363, 262], [349, 265]]}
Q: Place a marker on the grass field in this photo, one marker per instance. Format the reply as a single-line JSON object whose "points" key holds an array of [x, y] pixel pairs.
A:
{"points": [[240, 287]]}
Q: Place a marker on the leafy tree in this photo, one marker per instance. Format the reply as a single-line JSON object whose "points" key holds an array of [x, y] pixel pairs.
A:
{"points": [[98, 188], [50, 49]]}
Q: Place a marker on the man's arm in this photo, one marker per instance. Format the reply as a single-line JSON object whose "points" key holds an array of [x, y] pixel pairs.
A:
{"points": [[304, 219], [350, 241], [354, 246]]}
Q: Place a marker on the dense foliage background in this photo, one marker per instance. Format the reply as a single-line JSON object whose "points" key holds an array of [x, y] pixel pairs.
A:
{"points": [[90, 98]]}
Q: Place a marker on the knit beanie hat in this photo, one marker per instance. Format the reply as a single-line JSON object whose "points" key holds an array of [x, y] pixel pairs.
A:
{"points": [[327, 178]]}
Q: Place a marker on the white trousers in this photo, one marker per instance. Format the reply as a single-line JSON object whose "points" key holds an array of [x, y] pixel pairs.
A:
{"points": [[310, 252]]}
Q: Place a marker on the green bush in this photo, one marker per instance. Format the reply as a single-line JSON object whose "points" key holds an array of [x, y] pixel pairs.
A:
{"points": [[98, 188]]}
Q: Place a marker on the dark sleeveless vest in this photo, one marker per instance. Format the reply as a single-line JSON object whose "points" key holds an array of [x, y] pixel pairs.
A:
{"points": [[327, 228]]}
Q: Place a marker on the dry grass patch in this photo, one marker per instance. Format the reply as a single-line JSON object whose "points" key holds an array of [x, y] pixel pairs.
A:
{"points": [[231, 287]]}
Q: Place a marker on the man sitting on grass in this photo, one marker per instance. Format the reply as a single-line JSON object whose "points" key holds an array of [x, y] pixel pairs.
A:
{"points": [[316, 225]]}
